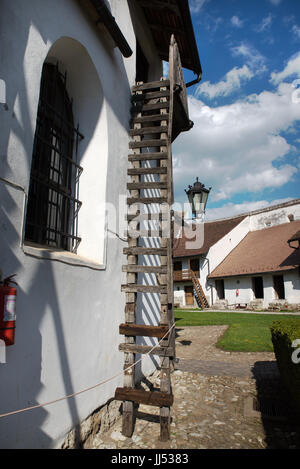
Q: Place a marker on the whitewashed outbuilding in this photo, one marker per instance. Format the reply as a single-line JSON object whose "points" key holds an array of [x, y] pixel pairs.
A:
{"points": [[244, 261]]}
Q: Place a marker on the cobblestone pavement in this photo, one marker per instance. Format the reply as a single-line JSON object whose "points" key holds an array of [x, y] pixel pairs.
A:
{"points": [[214, 392]]}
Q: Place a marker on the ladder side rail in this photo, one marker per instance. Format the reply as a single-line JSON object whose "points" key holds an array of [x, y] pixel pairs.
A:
{"points": [[173, 51], [165, 379], [130, 309]]}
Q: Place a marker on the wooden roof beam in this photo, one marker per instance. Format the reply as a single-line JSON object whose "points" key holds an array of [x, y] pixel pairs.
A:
{"points": [[160, 4], [168, 29]]}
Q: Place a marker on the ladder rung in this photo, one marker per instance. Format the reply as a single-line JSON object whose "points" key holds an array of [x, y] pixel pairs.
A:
{"points": [[137, 171], [150, 233], [154, 118], [139, 107], [153, 269], [151, 85], [146, 200], [148, 217], [149, 130], [154, 106], [148, 156], [150, 95], [140, 251], [149, 143], [143, 331], [143, 349], [146, 185], [153, 398], [134, 288]]}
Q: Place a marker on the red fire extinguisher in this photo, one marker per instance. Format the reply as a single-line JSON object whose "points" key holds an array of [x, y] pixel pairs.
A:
{"points": [[237, 292], [8, 310]]}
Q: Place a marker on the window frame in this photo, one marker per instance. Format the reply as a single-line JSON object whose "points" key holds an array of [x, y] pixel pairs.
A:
{"points": [[53, 197]]}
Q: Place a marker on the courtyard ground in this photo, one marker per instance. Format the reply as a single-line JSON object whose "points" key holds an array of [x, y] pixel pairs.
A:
{"points": [[222, 400]]}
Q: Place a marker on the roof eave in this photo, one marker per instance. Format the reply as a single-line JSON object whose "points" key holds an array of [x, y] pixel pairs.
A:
{"points": [[191, 62], [188, 25]]}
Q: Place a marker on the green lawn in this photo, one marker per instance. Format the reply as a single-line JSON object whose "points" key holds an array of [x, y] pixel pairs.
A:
{"points": [[246, 332]]}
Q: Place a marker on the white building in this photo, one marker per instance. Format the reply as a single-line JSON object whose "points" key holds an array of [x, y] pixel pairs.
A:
{"points": [[66, 72], [244, 261]]}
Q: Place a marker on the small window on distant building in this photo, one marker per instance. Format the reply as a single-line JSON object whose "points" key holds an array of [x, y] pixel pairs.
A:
{"points": [[177, 266], [279, 287], [194, 266], [53, 192], [258, 287]]}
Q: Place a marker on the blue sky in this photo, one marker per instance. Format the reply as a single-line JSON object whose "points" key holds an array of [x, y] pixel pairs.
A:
{"points": [[245, 142]]}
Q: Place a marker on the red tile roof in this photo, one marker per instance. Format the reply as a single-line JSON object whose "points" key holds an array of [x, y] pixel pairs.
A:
{"points": [[213, 232], [261, 251]]}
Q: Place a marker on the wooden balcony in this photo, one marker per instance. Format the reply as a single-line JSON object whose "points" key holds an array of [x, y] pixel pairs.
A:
{"points": [[184, 275]]}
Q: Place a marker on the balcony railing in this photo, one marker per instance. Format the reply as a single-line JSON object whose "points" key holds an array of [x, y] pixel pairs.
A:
{"points": [[183, 275]]}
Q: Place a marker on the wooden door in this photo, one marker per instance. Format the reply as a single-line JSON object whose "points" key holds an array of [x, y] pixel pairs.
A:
{"points": [[189, 295]]}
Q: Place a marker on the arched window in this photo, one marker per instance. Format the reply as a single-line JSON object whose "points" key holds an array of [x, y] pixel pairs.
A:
{"points": [[53, 193]]}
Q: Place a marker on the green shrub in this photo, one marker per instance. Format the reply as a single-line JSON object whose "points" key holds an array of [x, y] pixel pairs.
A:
{"points": [[283, 333]]}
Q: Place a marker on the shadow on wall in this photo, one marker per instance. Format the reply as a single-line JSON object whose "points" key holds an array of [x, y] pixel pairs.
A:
{"points": [[23, 371], [148, 310], [25, 374]]}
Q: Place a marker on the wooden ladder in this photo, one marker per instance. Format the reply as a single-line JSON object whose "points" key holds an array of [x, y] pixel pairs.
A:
{"points": [[199, 293], [150, 172]]}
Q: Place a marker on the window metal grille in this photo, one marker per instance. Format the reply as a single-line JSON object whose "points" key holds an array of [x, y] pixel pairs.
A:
{"points": [[53, 203]]}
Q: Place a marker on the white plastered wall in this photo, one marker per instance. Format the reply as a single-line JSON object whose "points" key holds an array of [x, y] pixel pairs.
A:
{"points": [[217, 254], [244, 284], [68, 308], [292, 286], [244, 287], [276, 216]]}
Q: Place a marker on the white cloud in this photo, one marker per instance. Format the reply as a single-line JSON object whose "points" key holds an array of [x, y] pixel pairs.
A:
{"points": [[196, 5], [289, 19], [235, 21], [231, 83], [275, 2], [296, 31], [238, 147], [265, 24], [292, 68], [253, 58], [230, 209]]}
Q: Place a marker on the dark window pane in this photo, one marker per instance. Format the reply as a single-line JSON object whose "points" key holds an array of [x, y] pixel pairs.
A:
{"points": [[52, 205]]}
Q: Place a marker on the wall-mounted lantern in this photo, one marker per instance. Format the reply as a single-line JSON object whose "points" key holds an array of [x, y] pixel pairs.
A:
{"points": [[197, 195]]}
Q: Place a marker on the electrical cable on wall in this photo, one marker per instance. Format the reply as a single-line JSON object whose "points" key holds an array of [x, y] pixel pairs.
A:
{"points": [[14, 412]]}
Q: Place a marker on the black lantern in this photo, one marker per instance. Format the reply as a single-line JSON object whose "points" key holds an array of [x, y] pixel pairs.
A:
{"points": [[197, 195]]}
